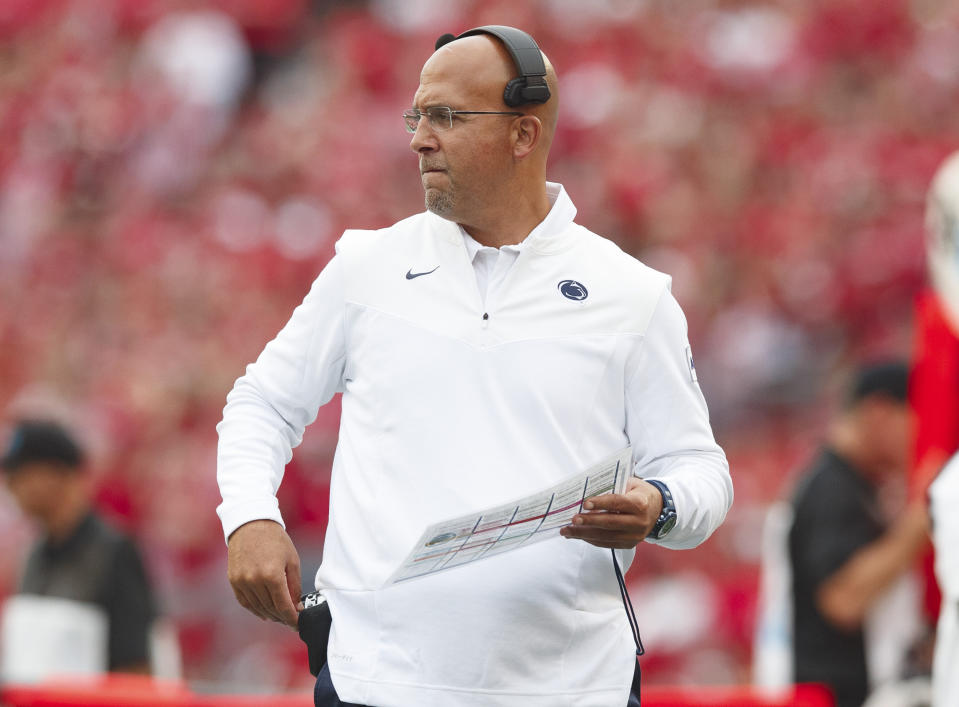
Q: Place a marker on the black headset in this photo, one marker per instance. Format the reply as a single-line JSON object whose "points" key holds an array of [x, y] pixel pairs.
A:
{"points": [[530, 86]]}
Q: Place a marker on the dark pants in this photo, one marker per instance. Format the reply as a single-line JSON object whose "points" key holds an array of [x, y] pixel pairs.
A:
{"points": [[324, 694]]}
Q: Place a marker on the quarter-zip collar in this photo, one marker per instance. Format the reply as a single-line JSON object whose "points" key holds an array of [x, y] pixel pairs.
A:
{"points": [[552, 234]]}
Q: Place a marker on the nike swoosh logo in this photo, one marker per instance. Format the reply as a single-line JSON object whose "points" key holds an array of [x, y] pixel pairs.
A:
{"points": [[410, 274]]}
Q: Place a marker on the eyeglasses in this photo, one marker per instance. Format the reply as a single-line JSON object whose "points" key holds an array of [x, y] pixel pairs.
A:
{"points": [[441, 117]]}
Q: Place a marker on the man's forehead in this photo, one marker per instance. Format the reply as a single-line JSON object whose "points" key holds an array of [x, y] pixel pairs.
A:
{"points": [[468, 67], [437, 93], [441, 87]]}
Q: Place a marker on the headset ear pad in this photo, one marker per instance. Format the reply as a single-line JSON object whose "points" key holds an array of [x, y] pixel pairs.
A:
{"points": [[518, 93], [513, 93], [537, 93]]}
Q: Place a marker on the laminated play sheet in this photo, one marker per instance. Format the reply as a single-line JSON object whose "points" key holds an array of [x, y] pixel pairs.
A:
{"points": [[527, 520]]}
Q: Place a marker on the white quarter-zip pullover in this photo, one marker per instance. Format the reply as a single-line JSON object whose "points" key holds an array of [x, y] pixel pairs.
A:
{"points": [[454, 402]]}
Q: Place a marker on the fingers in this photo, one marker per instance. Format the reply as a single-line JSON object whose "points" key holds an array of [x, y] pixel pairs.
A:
{"points": [[608, 518], [616, 530], [616, 520], [616, 503], [285, 597], [259, 597], [270, 596], [250, 606], [249, 600], [294, 587], [281, 604], [622, 539]]}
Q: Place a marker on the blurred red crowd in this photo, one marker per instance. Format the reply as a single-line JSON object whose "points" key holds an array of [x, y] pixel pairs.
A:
{"points": [[173, 176]]}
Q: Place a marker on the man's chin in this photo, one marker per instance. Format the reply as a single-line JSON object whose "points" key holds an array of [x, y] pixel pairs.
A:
{"points": [[439, 202]]}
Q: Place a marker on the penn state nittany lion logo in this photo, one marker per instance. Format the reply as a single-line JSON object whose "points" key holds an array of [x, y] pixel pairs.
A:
{"points": [[570, 289]]}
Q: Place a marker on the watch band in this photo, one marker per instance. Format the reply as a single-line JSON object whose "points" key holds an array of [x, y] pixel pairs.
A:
{"points": [[667, 517]]}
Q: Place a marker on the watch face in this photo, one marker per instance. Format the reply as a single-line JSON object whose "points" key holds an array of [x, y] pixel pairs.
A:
{"points": [[667, 526]]}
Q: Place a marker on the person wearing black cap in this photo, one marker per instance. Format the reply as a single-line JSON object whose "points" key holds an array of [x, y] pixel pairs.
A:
{"points": [[80, 556], [844, 557]]}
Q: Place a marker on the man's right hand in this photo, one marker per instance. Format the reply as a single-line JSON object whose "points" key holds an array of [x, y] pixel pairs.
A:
{"points": [[264, 571]]}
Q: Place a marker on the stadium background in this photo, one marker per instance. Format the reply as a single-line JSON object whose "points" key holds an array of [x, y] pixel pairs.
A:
{"points": [[174, 174]]}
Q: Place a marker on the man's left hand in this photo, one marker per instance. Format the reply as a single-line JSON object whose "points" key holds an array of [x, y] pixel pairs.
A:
{"points": [[616, 520]]}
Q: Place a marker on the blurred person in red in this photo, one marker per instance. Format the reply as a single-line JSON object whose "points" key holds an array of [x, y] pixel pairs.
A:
{"points": [[935, 397], [934, 385], [845, 558], [80, 558]]}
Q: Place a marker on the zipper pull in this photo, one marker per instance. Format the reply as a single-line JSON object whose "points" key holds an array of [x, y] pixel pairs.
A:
{"points": [[485, 319]]}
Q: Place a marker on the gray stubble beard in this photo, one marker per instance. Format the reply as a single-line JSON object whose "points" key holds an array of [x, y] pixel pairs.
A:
{"points": [[439, 202]]}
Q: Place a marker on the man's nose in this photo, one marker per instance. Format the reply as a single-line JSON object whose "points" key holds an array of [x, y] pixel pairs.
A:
{"points": [[424, 139]]}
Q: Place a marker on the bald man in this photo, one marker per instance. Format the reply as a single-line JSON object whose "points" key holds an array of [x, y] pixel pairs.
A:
{"points": [[486, 349]]}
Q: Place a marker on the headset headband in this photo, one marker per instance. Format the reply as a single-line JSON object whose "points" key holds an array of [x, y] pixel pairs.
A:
{"points": [[530, 86]]}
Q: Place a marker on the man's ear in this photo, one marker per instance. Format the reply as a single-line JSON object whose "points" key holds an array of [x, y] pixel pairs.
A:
{"points": [[526, 134]]}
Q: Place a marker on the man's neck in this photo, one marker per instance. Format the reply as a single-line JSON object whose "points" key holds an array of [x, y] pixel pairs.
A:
{"points": [[514, 225], [62, 524], [848, 443]]}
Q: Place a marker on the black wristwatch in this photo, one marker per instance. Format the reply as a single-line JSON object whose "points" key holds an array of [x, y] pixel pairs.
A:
{"points": [[667, 517]]}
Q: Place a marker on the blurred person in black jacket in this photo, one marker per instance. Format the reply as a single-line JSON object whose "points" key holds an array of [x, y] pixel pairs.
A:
{"points": [[80, 556], [844, 555]]}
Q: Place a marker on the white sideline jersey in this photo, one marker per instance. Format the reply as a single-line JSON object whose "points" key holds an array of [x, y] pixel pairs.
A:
{"points": [[451, 405]]}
